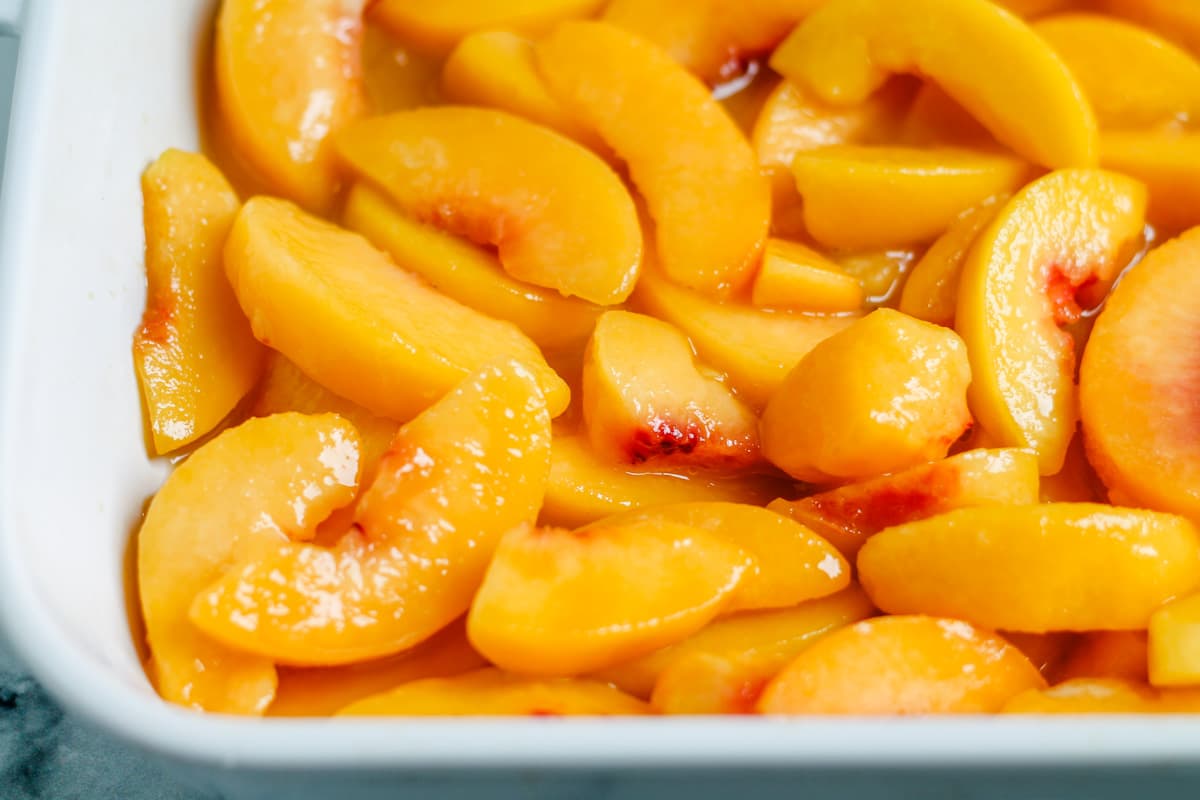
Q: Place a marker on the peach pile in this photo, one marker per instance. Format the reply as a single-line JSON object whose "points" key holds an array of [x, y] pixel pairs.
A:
{"points": [[647, 357]]}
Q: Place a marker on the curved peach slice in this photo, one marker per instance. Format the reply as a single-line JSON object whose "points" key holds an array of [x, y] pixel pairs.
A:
{"points": [[1061, 233], [385, 339], [194, 353], [437, 27], [1169, 165], [849, 515], [492, 693], [1123, 655], [277, 477], [457, 477], [1174, 643], [1175, 20], [863, 198], [755, 349], [934, 118], [887, 393], [702, 683], [798, 278], [985, 58], [710, 204], [288, 76], [470, 274], [537, 611], [1085, 696], [646, 401], [902, 666], [1063, 566], [557, 214]]}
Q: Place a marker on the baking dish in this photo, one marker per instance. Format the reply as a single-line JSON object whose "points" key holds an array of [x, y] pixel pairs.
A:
{"points": [[102, 89]]}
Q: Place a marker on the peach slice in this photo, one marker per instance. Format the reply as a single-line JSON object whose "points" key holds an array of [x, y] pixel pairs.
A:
{"points": [[277, 477], [492, 693], [1174, 643], [1169, 165], [1136, 396], [457, 477], [1175, 20], [470, 274], [885, 394], [395, 76], [1104, 696], [798, 278], [849, 515], [647, 401], [557, 214], [1036, 568], [538, 613], [697, 173], [1067, 231], [702, 683], [288, 75], [900, 666], [437, 27], [863, 198], [1109, 654], [384, 339], [194, 353], [934, 118], [985, 58], [756, 349]]}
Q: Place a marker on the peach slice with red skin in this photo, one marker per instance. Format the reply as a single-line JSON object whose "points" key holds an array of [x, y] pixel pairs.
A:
{"points": [[437, 27]]}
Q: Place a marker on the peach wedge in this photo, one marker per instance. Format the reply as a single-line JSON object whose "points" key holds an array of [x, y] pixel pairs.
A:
{"points": [[798, 278], [437, 27], [1169, 164]]}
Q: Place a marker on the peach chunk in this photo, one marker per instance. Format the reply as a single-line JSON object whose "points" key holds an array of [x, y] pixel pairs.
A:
{"points": [[385, 340], [702, 683], [1035, 568], [493, 693], [695, 169], [1169, 165], [885, 394], [1067, 231], [1174, 644], [436, 27], [849, 515], [1109, 654], [647, 401], [457, 477], [1138, 405], [799, 278], [985, 58], [558, 216], [863, 198], [194, 353], [277, 477], [902, 666], [470, 274], [540, 612], [1133, 78], [1104, 696], [288, 75]]}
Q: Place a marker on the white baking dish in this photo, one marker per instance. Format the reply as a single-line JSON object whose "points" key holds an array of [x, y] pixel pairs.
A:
{"points": [[103, 87]]}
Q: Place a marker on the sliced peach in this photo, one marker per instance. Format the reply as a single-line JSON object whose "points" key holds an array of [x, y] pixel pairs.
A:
{"points": [[1174, 644], [710, 204], [702, 683], [437, 27], [194, 353], [798, 278], [288, 75], [457, 477], [557, 214], [1177, 21], [539, 610], [276, 477], [1069, 230], [395, 76], [492, 693], [885, 394], [1136, 396], [1169, 165], [902, 666], [983, 57], [1108, 654], [470, 274], [384, 339], [647, 401], [1085, 696], [934, 118], [1036, 568], [754, 348], [849, 515], [862, 198]]}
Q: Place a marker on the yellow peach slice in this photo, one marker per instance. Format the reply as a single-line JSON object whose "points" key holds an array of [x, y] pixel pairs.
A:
{"points": [[1123, 655], [470, 274], [798, 278], [985, 58], [437, 27], [849, 515], [934, 118], [863, 198], [492, 693], [353, 321], [646, 400], [1169, 165], [276, 477], [288, 75], [886, 394], [1104, 696], [702, 683], [1067, 231], [710, 204], [901, 666], [395, 76], [194, 353], [457, 477], [538, 613], [1174, 644], [1177, 21], [1036, 568]]}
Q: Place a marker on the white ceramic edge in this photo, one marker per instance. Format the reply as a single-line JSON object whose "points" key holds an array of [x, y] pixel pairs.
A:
{"points": [[10, 16], [69, 672]]}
